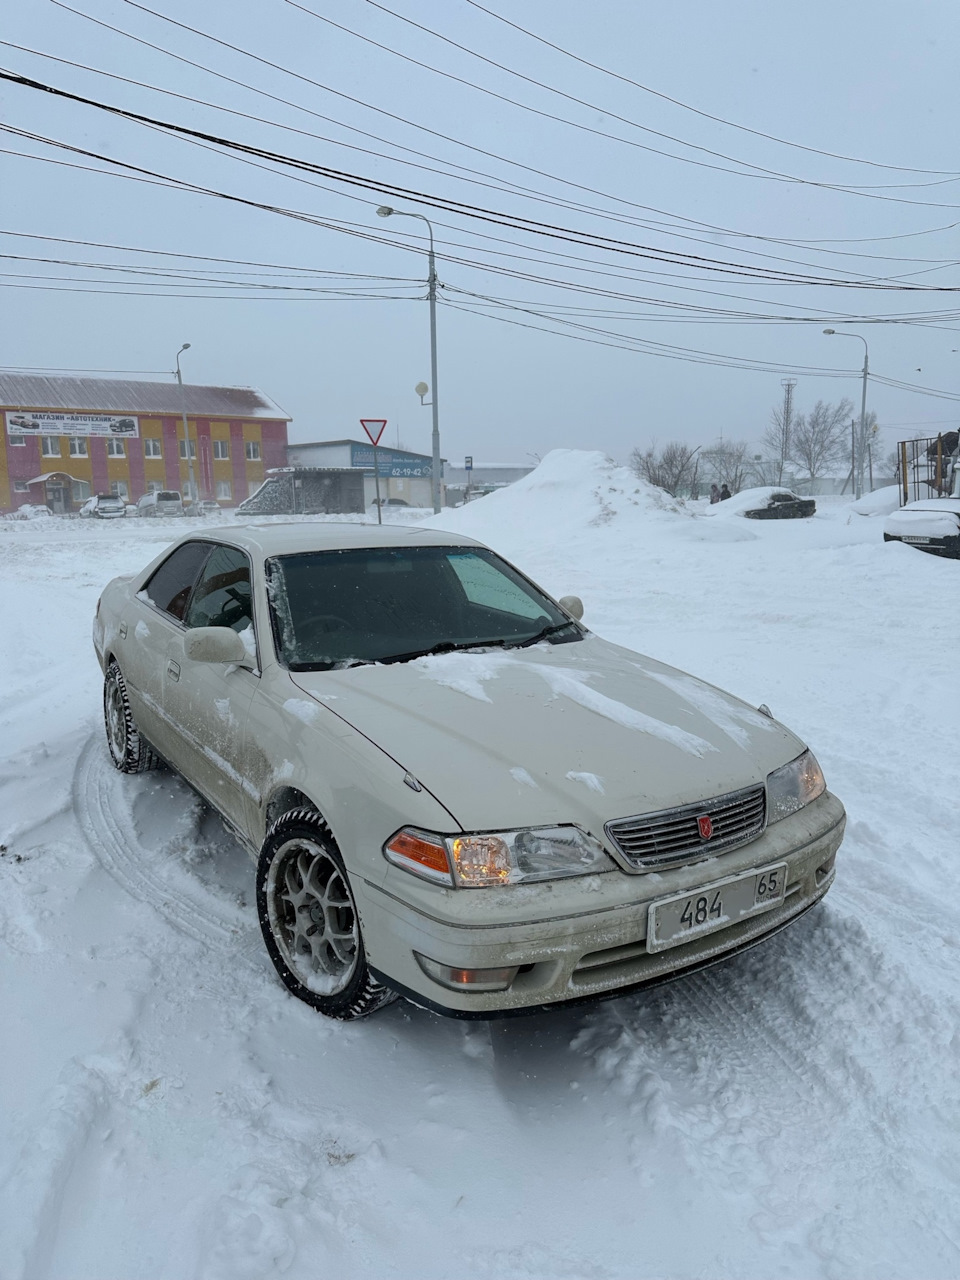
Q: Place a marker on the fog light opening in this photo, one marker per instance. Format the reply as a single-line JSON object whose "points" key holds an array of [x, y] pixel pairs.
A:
{"points": [[458, 978], [826, 869]]}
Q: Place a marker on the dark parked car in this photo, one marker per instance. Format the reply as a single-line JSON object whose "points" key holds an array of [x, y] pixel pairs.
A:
{"points": [[781, 504]]}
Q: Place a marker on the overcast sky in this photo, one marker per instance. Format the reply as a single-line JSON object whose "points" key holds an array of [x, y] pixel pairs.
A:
{"points": [[667, 337]]}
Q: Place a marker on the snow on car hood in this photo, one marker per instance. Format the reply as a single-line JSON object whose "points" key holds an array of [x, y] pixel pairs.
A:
{"points": [[930, 517], [580, 732]]}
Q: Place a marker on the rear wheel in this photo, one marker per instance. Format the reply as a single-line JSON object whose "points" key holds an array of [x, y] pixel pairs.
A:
{"points": [[309, 919], [128, 751]]}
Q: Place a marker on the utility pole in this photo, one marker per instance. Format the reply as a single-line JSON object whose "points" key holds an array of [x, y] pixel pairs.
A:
{"points": [[788, 385]]}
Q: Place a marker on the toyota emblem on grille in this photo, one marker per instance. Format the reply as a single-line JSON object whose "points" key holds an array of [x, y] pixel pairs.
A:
{"points": [[705, 824]]}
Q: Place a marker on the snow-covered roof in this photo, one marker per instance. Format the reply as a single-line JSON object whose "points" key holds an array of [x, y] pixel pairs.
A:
{"points": [[117, 395]]}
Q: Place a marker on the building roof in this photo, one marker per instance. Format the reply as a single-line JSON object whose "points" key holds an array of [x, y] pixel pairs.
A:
{"points": [[365, 444], [116, 395]]}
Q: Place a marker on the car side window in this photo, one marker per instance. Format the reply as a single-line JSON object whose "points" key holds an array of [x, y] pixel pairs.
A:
{"points": [[222, 597], [170, 585], [484, 584]]}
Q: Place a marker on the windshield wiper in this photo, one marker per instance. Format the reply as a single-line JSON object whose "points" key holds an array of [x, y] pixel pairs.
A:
{"points": [[445, 646], [553, 629]]}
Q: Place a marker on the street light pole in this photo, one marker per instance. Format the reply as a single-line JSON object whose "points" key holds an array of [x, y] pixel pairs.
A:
{"points": [[194, 494], [858, 478], [385, 211]]}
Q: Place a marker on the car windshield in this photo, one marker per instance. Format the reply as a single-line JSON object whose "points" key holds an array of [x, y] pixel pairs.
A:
{"points": [[383, 604]]}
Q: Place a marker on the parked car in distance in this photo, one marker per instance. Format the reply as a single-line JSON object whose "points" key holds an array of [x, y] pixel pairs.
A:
{"points": [[453, 791], [104, 506], [208, 507], [931, 524], [162, 502], [774, 504]]}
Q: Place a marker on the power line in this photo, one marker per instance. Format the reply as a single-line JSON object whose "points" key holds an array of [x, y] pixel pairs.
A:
{"points": [[412, 124], [706, 115], [761, 171], [514, 222]]}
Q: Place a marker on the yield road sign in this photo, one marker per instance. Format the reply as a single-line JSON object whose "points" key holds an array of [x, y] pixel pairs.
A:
{"points": [[374, 427]]}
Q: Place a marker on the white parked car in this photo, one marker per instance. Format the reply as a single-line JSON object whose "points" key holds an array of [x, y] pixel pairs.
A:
{"points": [[160, 502], [104, 506], [453, 790], [932, 524]]}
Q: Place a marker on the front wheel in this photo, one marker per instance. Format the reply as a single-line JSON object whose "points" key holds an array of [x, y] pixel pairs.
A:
{"points": [[128, 751], [309, 920]]}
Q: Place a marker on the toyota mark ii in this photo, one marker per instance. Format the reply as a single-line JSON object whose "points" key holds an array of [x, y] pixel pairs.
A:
{"points": [[452, 789]]}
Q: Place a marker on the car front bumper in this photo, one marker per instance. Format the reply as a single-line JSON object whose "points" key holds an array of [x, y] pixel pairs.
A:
{"points": [[577, 942]]}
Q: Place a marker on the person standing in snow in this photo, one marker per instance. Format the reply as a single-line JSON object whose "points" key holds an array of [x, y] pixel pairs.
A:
{"points": [[714, 494], [725, 492]]}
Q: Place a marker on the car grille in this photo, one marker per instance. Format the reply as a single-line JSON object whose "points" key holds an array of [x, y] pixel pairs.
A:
{"points": [[673, 835]]}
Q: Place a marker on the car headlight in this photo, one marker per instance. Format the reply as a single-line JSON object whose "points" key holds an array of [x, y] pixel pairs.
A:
{"points": [[793, 786], [479, 860]]}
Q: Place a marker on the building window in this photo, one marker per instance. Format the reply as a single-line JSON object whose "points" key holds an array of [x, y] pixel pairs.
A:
{"points": [[154, 486], [50, 446], [151, 447], [183, 448], [115, 449], [16, 440], [253, 450], [78, 446], [221, 449], [224, 489], [79, 490], [119, 489], [21, 486], [190, 490]]}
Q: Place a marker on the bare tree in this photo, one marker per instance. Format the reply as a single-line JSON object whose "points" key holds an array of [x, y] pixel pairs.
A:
{"points": [[727, 462], [819, 439], [775, 446], [673, 468]]}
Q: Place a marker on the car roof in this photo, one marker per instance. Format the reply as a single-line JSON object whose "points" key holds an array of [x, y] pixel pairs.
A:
{"points": [[290, 537]]}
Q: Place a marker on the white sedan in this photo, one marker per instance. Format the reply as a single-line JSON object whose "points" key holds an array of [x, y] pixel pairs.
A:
{"points": [[452, 789]]}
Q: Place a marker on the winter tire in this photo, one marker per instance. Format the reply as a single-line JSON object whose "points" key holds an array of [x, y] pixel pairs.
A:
{"points": [[128, 750], [309, 919]]}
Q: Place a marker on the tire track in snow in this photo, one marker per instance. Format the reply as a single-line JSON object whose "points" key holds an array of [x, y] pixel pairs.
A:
{"points": [[104, 812]]}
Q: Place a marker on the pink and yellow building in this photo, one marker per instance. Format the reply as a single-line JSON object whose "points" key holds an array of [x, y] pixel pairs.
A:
{"points": [[65, 439]]}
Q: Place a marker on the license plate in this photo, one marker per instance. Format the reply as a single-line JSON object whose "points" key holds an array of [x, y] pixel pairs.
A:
{"points": [[910, 537], [685, 916]]}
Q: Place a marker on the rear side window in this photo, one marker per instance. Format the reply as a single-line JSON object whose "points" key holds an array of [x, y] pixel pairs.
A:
{"points": [[170, 586], [166, 496]]}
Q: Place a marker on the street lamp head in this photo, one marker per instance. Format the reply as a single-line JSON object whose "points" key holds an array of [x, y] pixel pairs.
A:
{"points": [[421, 389], [185, 347], [829, 331], [384, 211]]}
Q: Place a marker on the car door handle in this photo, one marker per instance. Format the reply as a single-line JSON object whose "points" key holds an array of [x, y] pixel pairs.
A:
{"points": [[123, 630], [173, 670]]}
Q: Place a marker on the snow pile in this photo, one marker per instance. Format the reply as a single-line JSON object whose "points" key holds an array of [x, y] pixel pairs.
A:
{"points": [[573, 493], [879, 503]]}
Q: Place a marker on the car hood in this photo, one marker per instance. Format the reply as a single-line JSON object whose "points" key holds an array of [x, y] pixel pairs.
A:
{"points": [[580, 732]]}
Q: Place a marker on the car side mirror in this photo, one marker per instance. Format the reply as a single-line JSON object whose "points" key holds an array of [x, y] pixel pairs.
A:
{"points": [[215, 644], [573, 606]]}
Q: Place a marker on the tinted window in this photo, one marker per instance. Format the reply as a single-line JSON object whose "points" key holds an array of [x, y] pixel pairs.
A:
{"points": [[169, 587], [221, 597], [167, 496], [384, 604]]}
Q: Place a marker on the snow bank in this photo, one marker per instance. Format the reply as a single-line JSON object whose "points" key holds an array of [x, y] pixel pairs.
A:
{"points": [[572, 493], [879, 503]]}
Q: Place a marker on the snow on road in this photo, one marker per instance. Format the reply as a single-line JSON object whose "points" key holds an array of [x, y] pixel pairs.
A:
{"points": [[167, 1112]]}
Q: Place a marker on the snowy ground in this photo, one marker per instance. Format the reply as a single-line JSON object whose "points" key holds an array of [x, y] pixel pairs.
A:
{"points": [[167, 1112]]}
